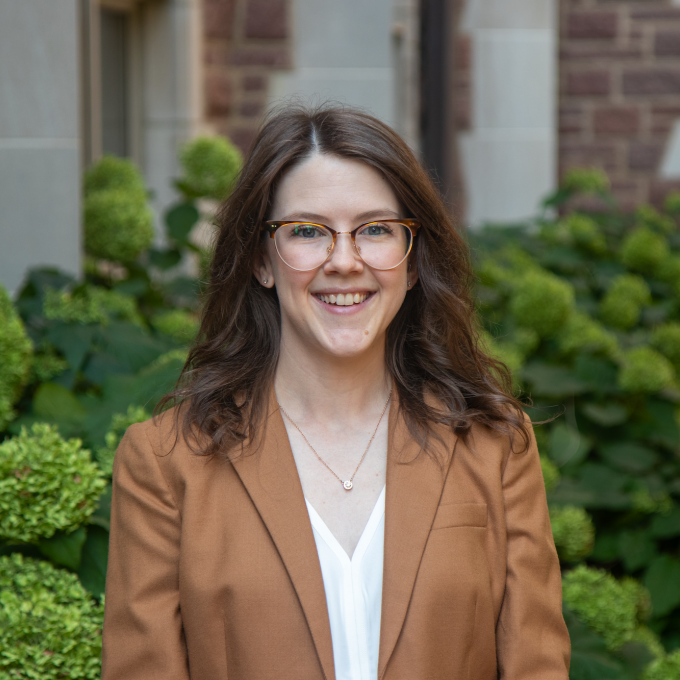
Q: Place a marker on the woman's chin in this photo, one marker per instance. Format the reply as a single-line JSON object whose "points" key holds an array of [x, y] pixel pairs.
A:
{"points": [[348, 344]]}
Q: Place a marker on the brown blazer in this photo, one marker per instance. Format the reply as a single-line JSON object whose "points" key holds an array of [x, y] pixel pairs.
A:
{"points": [[213, 571]]}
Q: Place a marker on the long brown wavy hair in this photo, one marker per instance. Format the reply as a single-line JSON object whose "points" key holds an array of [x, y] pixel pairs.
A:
{"points": [[433, 345]]}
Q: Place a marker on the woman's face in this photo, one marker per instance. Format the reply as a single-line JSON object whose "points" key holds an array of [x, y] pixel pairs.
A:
{"points": [[341, 194]]}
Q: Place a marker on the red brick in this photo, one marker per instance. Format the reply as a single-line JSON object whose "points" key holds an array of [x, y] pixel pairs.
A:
{"points": [[628, 193], [266, 19], [651, 81], [462, 111], [616, 121], [243, 138], [589, 52], [592, 25], [645, 156], [251, 109], [667, 44], [655, 13], [218, 18], [577, 154], [253, 83], [585, 83], [218, 95], [463, 52], [659, 189], [215, 55], [275, 57]]}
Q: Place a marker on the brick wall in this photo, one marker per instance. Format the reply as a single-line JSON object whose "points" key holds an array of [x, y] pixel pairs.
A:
{"points": [[619, 91], [245, 40]]}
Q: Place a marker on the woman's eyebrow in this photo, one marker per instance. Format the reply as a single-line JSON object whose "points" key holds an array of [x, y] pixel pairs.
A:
{"points": [[361, 217]]}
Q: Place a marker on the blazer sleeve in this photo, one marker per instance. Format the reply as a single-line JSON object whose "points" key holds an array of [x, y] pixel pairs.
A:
{"points": [[143, 636], [532, 640]]}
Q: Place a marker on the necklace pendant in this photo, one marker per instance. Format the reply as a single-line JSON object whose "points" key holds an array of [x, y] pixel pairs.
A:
{"points": [[347, 486]]}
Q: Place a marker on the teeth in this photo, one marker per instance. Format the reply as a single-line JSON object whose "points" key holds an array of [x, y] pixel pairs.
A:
{"points": [[344, 300]]}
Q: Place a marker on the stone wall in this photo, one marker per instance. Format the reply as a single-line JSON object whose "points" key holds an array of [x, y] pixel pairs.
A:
{"points": [[620, 91], [245, 41]]}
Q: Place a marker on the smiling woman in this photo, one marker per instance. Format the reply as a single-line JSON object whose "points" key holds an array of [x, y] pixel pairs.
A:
{"points": [[274, 523]]}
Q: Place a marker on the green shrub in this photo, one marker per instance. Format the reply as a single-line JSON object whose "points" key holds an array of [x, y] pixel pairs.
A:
{"points": [[118, 225], [50, 628], [90, 304], [114, 173], [644, 251], [586, 233], [585, 180], [542, 302], [119, 424], [573, 532], [664, 668], [210, 165], [672, 203], [551, 475], [650, 217], [15, 358], [621, 305], [610, 607], [666, 339], [47, 484], [177, 324], [584, 334], [645, 370]]}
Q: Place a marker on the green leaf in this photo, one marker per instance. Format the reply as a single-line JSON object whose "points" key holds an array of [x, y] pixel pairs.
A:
{"points": [[665, 526], [567, 445], [55, 403], [64, 549], [605, 414], [131, 347], [637, 548], [99, 366], [629, 456], [662, 579], [102, 515], [598, 374], [665, 426], [92, 571], [180, 220], [164, 259], [590, 659], [73, 340], [550, 380]]}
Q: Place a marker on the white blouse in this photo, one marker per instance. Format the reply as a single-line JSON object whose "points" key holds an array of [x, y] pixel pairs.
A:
{"points": [[353, 594]]}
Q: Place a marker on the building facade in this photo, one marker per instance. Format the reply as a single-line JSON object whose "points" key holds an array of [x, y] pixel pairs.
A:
{"points": [[498, 97]]}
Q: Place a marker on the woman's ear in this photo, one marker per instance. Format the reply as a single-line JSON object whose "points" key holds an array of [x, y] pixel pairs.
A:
{"points": [[411, 274], [262, 268]]}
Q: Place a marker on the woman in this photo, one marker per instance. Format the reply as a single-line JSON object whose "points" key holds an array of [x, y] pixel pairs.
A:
{"points": [[346, 488]]}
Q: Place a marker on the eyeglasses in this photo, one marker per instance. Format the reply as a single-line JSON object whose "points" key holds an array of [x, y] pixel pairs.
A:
{"points": [[304, 246]]}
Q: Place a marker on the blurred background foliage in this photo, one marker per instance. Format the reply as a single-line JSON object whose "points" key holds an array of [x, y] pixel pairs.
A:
{"points": [[583, 304]]}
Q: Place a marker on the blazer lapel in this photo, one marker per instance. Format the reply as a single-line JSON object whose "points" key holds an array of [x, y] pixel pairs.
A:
{"points": [[413, 488], [267, 470]]}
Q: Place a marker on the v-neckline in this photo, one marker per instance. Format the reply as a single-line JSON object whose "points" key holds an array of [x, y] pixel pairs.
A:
{"points": [[366, 535]]}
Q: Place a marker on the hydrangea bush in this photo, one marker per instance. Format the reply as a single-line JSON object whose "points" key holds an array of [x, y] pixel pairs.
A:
{"points": [[583, 304], [47, 485], [50, 627]]}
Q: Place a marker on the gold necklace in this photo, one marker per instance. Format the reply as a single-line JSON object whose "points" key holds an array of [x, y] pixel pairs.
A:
{"points": [[346, 484]]}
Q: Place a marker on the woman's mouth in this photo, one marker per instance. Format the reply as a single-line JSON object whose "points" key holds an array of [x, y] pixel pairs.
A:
{"points": [[344, 299]]}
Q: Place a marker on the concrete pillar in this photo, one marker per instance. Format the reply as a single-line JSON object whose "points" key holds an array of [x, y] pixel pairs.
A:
{"points": [[509, 157], [39, 137]]}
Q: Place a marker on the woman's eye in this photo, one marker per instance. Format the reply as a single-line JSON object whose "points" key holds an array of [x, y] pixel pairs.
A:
{"points": [[305, 231], [375, 230]]}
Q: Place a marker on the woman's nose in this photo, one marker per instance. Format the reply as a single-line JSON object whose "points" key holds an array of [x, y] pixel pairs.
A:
{"points": [[344, 257]]}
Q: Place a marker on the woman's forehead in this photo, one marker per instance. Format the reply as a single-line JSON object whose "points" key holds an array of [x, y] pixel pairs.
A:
{"points": [[324, 183]]}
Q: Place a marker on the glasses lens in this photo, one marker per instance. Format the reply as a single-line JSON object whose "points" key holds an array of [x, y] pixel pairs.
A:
{"points": [[383, 245], [303, 246]]}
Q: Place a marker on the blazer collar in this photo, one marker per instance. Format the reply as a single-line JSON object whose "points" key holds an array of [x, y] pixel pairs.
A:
{"points": [[268, 472], [413, 488], [415, 481]]}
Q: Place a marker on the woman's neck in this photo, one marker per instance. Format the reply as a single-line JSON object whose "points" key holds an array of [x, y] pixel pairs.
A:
{"points": [[318, 388]]}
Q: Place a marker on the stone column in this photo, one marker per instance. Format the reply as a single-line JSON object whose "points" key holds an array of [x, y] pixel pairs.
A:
{"points": [[39, 137]]}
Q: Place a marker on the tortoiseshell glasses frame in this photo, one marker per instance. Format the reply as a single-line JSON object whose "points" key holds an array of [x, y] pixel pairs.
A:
{"points": [[272, 226]]}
